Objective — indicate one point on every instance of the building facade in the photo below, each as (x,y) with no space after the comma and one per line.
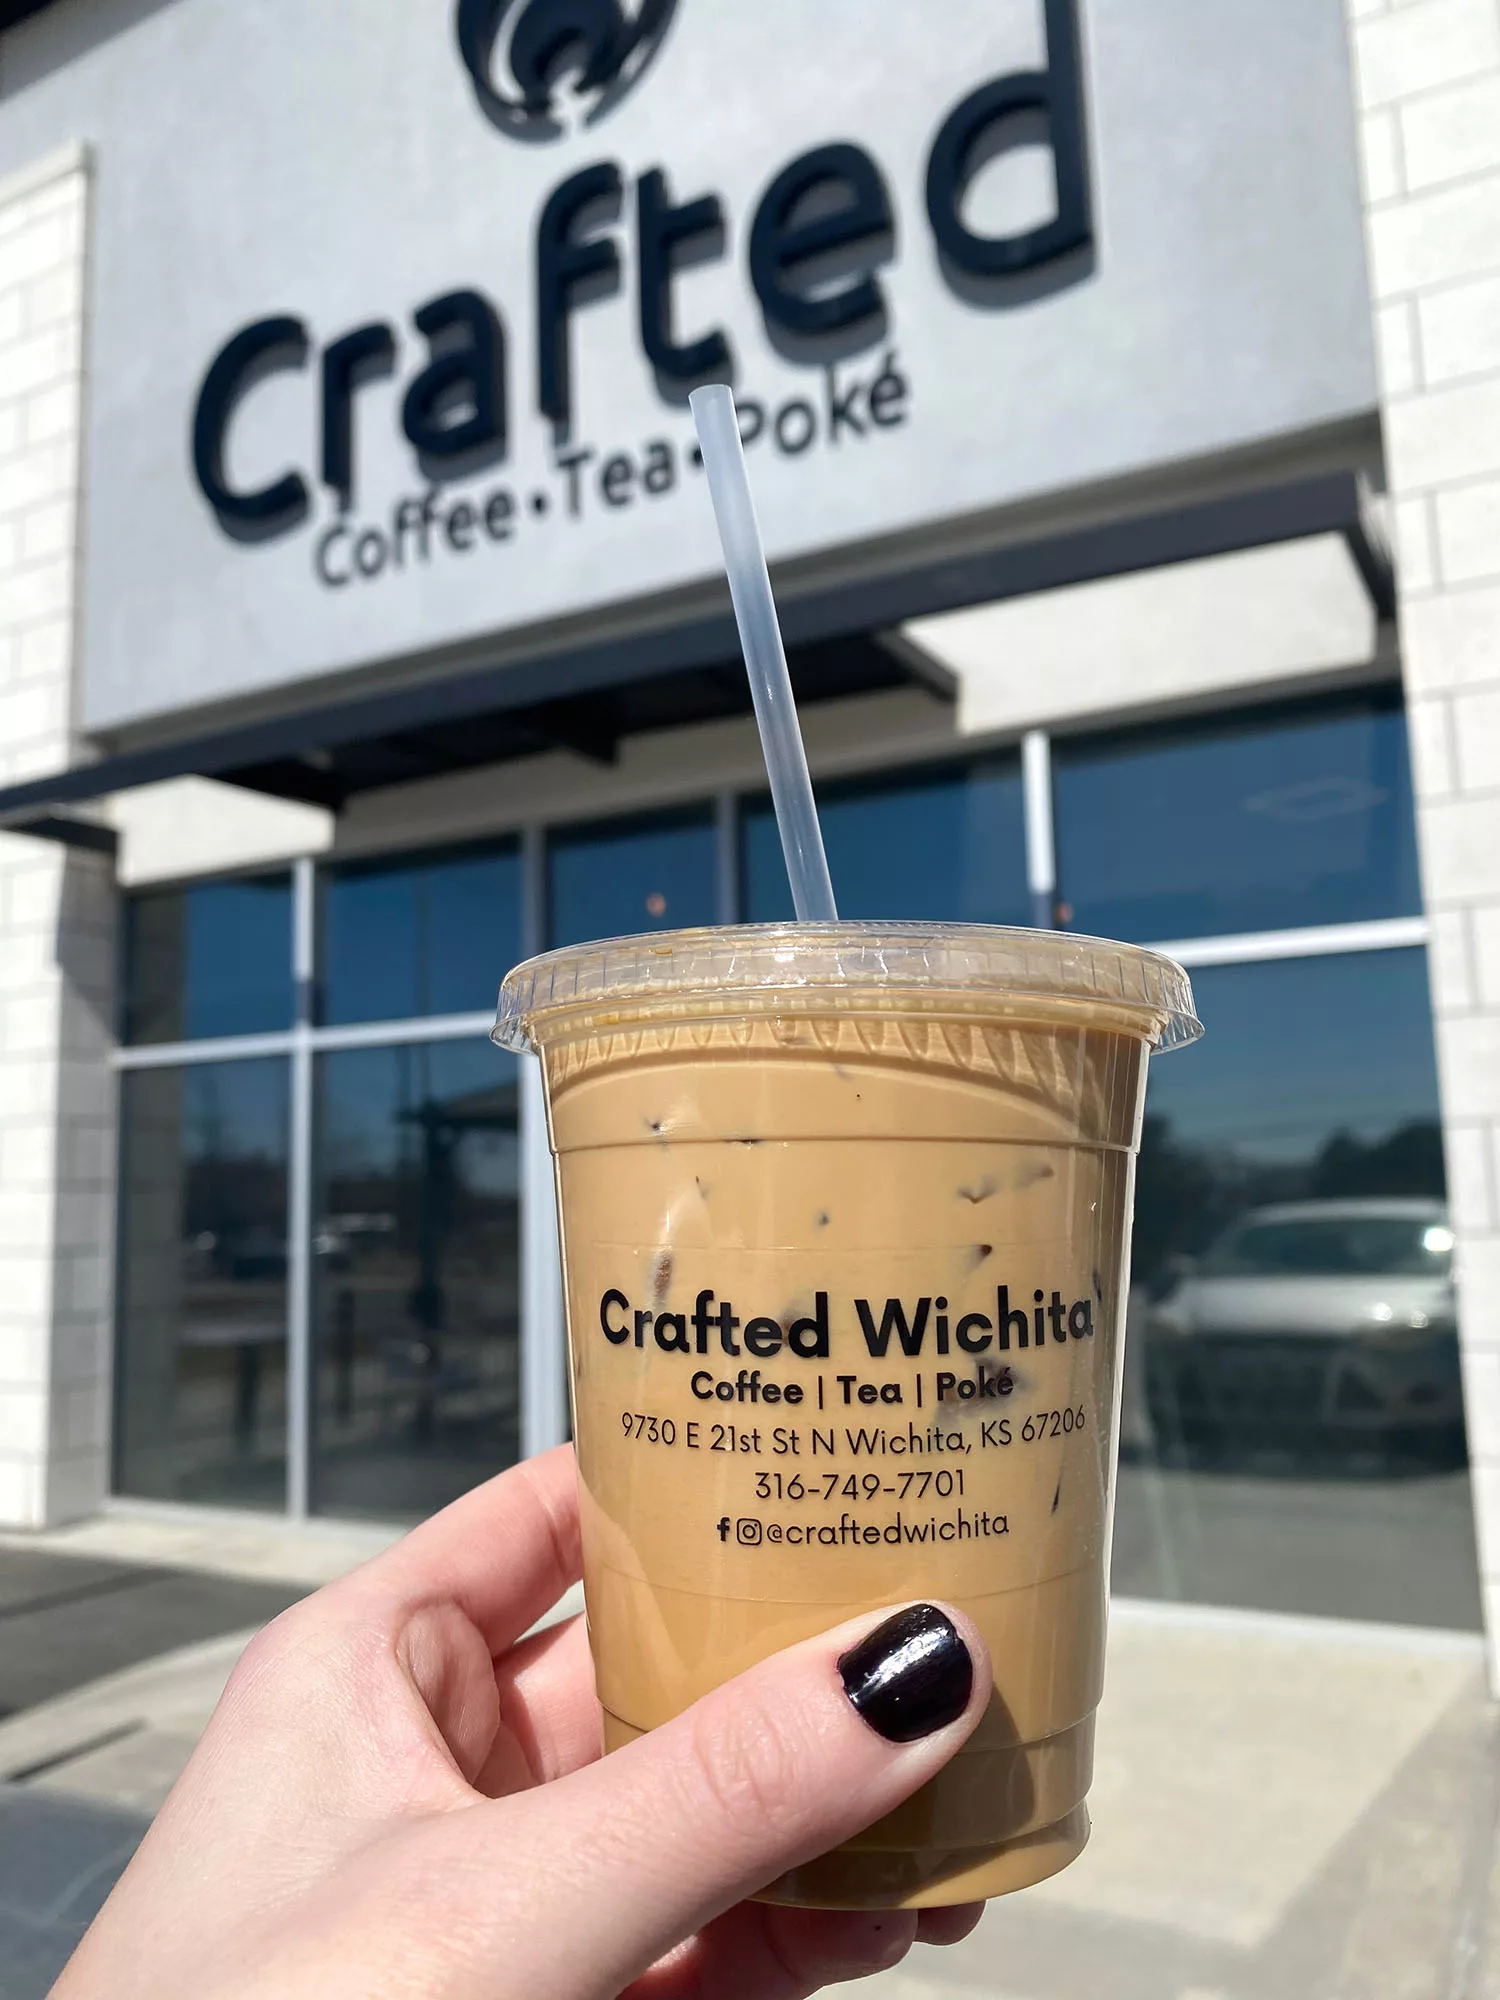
(361,632)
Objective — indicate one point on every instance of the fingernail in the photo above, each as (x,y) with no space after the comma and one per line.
(911,1675)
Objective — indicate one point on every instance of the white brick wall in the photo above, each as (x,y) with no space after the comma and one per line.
(1428,81)
(1452,133)
(1460,331)
(56,905)
(1402,51)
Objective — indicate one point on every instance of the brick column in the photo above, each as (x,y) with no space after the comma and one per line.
(56,903)
(1427,83)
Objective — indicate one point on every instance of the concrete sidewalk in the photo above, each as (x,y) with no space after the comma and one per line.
(78,1604)
(81,1777)
(1284,1810)
(59,1859)
(267,1548)
(116,1637)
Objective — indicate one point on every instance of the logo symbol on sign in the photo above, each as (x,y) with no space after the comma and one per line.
(541,67)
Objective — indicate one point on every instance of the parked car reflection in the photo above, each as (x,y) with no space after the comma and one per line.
(1309,1325)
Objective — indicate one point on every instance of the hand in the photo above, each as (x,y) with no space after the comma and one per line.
(398,1800)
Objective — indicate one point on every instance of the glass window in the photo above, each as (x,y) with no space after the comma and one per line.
(621,876)
(428,934)
(417,1256)
(211,959)
(1292,1429)
(1267,822)
(201,1398)
(946,845)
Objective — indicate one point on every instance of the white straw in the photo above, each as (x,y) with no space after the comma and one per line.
(765,661)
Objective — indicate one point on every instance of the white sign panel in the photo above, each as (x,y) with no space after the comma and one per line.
(395,306)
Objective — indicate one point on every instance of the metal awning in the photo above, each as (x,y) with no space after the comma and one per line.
(588,699)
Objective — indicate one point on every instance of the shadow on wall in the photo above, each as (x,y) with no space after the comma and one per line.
(55,36)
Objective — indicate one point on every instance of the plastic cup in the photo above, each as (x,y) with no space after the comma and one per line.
(845,1215)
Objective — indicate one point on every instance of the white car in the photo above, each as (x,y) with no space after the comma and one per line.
(1312,1319)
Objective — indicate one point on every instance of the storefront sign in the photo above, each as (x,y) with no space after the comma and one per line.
(391,342)
(830,205)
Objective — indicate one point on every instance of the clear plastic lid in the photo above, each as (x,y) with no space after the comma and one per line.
(712,966)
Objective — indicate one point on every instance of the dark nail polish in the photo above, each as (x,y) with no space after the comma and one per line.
(911,1675)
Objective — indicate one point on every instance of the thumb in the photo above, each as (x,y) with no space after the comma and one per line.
(640,1849)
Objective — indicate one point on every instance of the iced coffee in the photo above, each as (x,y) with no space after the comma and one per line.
(845,1214)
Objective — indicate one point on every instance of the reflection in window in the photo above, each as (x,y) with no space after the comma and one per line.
(948,845)
(417,1259)
(1333,1240)
(1292,1428)
(201,1374)
(1276,820)
(211,959)
(429,934)
(618,877)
